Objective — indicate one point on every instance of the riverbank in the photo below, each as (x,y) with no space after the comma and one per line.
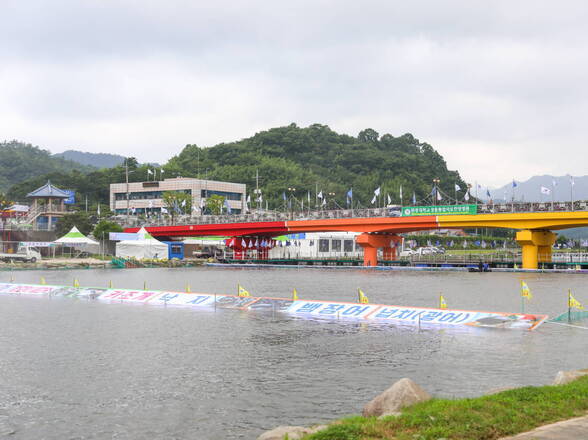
(95,263)
(490,417)
(393,268)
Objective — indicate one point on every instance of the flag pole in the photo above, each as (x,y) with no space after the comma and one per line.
(569,308)
(522,299)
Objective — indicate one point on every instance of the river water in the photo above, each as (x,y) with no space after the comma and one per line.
(73,368)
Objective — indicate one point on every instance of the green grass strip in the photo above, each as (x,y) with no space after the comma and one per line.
(483,418)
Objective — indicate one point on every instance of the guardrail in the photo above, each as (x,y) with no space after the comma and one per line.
(260,216)
(268,216)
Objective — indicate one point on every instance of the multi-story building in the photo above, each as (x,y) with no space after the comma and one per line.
(146,197)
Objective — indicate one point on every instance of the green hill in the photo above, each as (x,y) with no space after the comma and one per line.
(291,157)
(20,161)
(317,157)
(97,160)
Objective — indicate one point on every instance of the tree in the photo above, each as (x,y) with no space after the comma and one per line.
(5,203)
(368,135)
(104,227)
(132,163)
(79,219)
(177,202)
(214,204)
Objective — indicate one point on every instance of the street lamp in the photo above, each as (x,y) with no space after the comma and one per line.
(290,191)
(332,195)
(435,184)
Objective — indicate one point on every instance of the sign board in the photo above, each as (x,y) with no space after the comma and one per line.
(121,236)
(409,211)
(304,309)
(72,196)
(37,244)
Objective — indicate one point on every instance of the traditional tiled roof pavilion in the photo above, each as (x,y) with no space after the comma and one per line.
(48,202)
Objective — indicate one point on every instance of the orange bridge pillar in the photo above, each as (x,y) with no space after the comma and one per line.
(372,242)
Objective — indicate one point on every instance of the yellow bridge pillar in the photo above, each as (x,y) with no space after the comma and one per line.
(536,245)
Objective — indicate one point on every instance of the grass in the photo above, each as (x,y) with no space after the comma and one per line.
(483,418)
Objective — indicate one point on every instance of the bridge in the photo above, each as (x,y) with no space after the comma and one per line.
(534,230)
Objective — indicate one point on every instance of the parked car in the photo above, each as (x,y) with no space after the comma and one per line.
(407,253)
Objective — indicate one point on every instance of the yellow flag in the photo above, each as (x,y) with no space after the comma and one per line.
(294,295)
(241,291)
(525,291)
(362,298)
(442,303)
(573,303)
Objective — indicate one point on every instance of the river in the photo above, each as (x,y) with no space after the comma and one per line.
(85,369)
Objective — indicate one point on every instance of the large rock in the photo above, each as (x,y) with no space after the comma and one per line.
(293,432)
(403,393)
(563,377)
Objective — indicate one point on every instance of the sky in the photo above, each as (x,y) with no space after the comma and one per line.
(498,88)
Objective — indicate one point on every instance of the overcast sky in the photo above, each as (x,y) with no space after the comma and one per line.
(498,87)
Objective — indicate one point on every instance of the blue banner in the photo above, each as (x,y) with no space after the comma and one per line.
(72,196)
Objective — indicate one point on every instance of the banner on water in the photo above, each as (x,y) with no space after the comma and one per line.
(409,211)
(308,309)
(415,315)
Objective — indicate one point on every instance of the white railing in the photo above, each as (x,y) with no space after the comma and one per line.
(260,216)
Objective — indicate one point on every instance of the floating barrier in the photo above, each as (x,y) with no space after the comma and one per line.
(331,310)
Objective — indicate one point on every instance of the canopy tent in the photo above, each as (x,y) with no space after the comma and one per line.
(144,247)
(74,238)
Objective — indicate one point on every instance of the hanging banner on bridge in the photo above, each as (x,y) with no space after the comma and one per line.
(408,211)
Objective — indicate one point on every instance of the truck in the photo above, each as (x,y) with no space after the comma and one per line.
(23,253)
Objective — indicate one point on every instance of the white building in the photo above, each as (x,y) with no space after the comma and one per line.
(146,197)
(318,245)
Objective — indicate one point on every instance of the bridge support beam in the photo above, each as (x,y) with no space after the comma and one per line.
(536,246)
(372,242)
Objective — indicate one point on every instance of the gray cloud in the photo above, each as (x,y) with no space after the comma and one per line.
(498,88)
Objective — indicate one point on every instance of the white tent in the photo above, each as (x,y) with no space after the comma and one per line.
(74,238)
(145,246)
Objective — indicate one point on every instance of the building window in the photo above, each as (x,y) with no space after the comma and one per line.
(206,193)
(323,245)
(147,195)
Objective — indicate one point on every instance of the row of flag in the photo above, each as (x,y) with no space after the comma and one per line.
(573,303)
(361,296)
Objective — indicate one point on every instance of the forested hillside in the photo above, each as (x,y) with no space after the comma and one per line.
(304,158)
(98,160)
(291,157)
(20,161)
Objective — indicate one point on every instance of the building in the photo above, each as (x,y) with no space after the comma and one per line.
(49,203)
(146,197)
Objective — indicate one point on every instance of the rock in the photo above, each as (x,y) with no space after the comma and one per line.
(403,393)
(563,377)
(317,428)
(293,432)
